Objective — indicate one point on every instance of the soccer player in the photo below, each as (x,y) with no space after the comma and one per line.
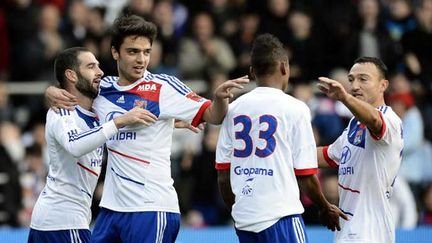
(367,154)
(75,144)
(139,202)
(266,151)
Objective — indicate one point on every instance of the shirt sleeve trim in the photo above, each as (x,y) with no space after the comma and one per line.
(383,129)
(198,117)
(305,172)
(223,166)
(329,161)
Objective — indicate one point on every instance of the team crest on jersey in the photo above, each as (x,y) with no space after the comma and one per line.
(357,134)
(247,189)
(140,103)
(193,96)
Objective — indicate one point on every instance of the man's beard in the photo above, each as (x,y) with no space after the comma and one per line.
(85,87)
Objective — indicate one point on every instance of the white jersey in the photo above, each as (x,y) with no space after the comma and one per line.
(138,176)
(368,166)
(75,144)
(266,140)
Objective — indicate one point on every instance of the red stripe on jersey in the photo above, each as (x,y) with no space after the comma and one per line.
(305,172)
(383,129)
(329,161)
(87,169)
(129,157)
(148,90)
(197,119)
(348,189)
(223,166)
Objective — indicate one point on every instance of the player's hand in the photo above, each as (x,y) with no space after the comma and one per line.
(136,116)
(182,124)
(332,88)
(60,98)
(223,91)
(330,217)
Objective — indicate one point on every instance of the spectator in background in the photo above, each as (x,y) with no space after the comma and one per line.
(204,53)
(170,30)
(241,42)
(400,19)
(370,37)
(225,13)
(304,47)
(10,188)
(32,179)
(74,28)
(402,102)
(274,19)
(6,110)
(157,64)
(51,40)
(205,197)
(141,8)
(25,53)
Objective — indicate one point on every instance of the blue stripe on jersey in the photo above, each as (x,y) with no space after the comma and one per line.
(126,178)
(64,112)
(90,121)
(177,85)
(128,102)
(73,136)
(87,193)
(385,109)
(177,82)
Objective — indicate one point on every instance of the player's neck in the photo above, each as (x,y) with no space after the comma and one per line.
(84,101)
(270,81)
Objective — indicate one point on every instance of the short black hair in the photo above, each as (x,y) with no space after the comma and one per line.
(67,59)
(267,50)
(379,64)
(125,26)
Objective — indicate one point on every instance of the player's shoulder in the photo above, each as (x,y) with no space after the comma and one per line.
(168,81)
(389,114)
(108,81)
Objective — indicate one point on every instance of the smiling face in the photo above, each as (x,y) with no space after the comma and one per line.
(367,83)
(89,75)
(132,58)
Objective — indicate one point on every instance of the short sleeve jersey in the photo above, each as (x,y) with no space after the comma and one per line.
(368,166)
(266,140)
(138,174)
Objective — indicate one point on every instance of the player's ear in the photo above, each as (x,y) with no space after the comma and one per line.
(114,53)
(71,75)
(283,67)
(384,85)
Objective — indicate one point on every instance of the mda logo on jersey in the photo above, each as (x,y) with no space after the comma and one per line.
(140,103)
(193,96)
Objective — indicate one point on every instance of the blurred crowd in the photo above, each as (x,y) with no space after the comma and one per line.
(210,40)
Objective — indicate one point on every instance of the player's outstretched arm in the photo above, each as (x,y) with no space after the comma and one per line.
(225,188)
(329,213)
(364,112)
(216,112)
(60,98)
